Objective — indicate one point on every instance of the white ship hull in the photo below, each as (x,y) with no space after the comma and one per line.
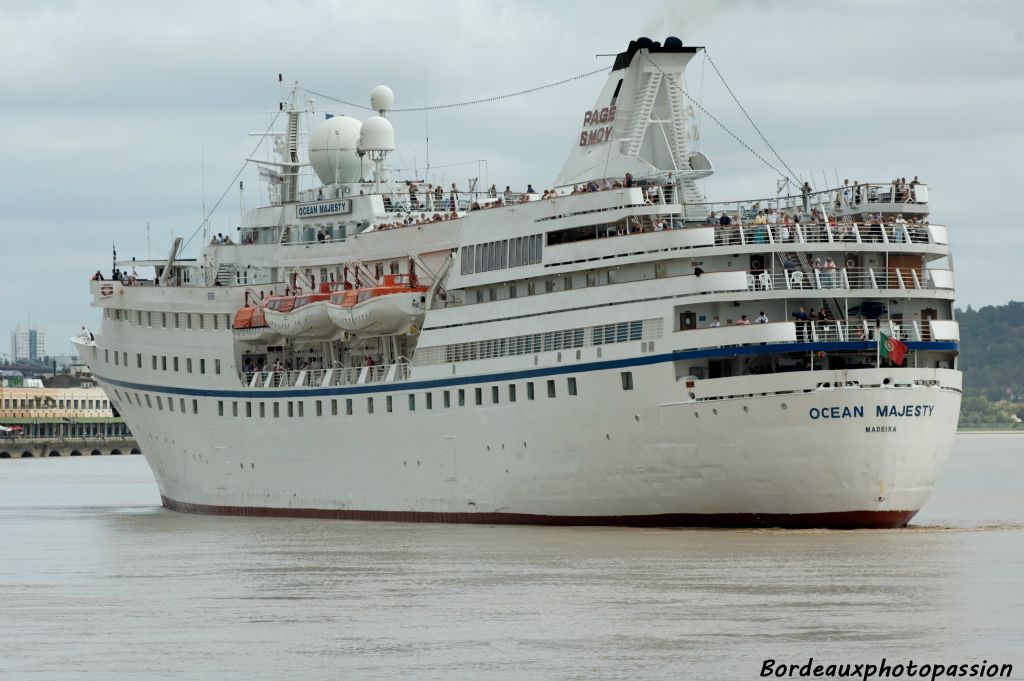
(645,458)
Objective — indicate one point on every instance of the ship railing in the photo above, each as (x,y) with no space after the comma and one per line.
(869,196)
(822,232)
(817,278)
(322,378)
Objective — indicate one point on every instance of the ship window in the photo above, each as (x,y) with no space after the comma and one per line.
(159,403)
(369,405)
(234,408)
(149,402)
(513,291)
(319,408)
(430,400)
(447,399)
(571,385)
(478,394)
(201,317)
(529,390)
(389,404)
(467,259)
(153,357)
(170,403)
(116,361)
(163,319)
(216,322)
(138,359)
(216,366)
(138,318)
(163,362)
(291,409)
(511,392)
(627,380)
(248,410)
(334,407)
(412,402)
(263,410)
(549,285)
(188,364)
(494,394)
(175,364)
(277,409)
(568,282)
(181,403)
(106,356)
(551,388)
(220,408)
(348,406)
(188,319)
(462,397)
(531,288)
(202,365)
(302,411)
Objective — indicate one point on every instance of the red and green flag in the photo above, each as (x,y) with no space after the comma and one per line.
(891,348)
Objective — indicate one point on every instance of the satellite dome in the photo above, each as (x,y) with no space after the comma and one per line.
(382,99)
(332,150)
(377,134)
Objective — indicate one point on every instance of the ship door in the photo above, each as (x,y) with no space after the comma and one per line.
(687,321)
(757,264)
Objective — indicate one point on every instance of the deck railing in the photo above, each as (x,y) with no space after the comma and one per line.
(323,378)
(797,278)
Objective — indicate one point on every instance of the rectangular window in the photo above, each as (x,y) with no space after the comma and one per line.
(163,362)
(154,362)
(188,365)
(116,359)
(462,397)
(248,410)
(389,404)
(138,360)
(348,406)
(170,403)
(430,400)
(627,380)
(106,356)
(195,406)
(159,403)
(529,390)
(202,365)
(572,385)
(188,319)
(334,407)
(551,388)
(511,392)
(181,403)
(447,399)
(302,410)
(216,366)
(277,409)
(263,410)
(175,364)
(291,409)
(220,408)
(319,408)
(216,319)
(478,395)
(201,324)
(369,405)
(149,403)
(234,408)
(412,402)
(494,394)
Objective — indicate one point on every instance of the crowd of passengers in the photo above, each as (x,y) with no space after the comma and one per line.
(783,226)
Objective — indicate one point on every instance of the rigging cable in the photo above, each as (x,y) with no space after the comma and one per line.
(231,184)
(460,104)
(717,122)
(751,120)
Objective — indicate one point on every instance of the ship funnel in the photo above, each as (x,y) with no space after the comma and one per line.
(641,122)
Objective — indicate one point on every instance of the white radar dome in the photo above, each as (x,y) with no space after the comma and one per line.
(332,150)
(377,135)
(382,99)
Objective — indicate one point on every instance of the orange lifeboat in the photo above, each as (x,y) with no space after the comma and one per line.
(250,326)
(395,307)
(301,316)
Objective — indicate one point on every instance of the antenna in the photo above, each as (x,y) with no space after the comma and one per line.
(148,255)
(202,163)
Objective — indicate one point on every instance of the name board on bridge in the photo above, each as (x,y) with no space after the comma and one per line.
(321,208)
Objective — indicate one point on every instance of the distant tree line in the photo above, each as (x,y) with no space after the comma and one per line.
(992,360)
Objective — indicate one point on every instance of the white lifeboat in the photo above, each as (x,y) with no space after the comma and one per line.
(302,316)
(394,308)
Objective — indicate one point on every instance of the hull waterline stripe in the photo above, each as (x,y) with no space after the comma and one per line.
(268,393)
(839,520)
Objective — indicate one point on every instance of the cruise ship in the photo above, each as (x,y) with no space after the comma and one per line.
(613,350)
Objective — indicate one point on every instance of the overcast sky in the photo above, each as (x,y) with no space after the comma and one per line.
(110,107)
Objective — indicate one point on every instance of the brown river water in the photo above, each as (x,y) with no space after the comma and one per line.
(98,582)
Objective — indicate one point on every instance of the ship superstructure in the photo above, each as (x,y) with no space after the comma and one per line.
(610,351)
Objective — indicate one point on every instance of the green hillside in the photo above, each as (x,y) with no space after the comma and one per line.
(992,359)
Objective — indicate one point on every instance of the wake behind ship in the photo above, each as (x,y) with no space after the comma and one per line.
(615,350)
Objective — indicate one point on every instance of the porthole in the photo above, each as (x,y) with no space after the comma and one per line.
(785,406)
(715,412)
(746,408)
(696,415)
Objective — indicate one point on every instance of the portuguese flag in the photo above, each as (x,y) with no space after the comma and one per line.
(891,348)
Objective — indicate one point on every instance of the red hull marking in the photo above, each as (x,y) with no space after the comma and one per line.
(841,520)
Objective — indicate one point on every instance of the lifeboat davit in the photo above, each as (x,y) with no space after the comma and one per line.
(395,307)
(250,326)
(302,316)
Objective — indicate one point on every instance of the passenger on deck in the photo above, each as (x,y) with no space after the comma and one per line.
(628,181)
(714,323)
(492,192)
(743,321)
(530,189)
(761,318)
(711,219)
(508,194)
